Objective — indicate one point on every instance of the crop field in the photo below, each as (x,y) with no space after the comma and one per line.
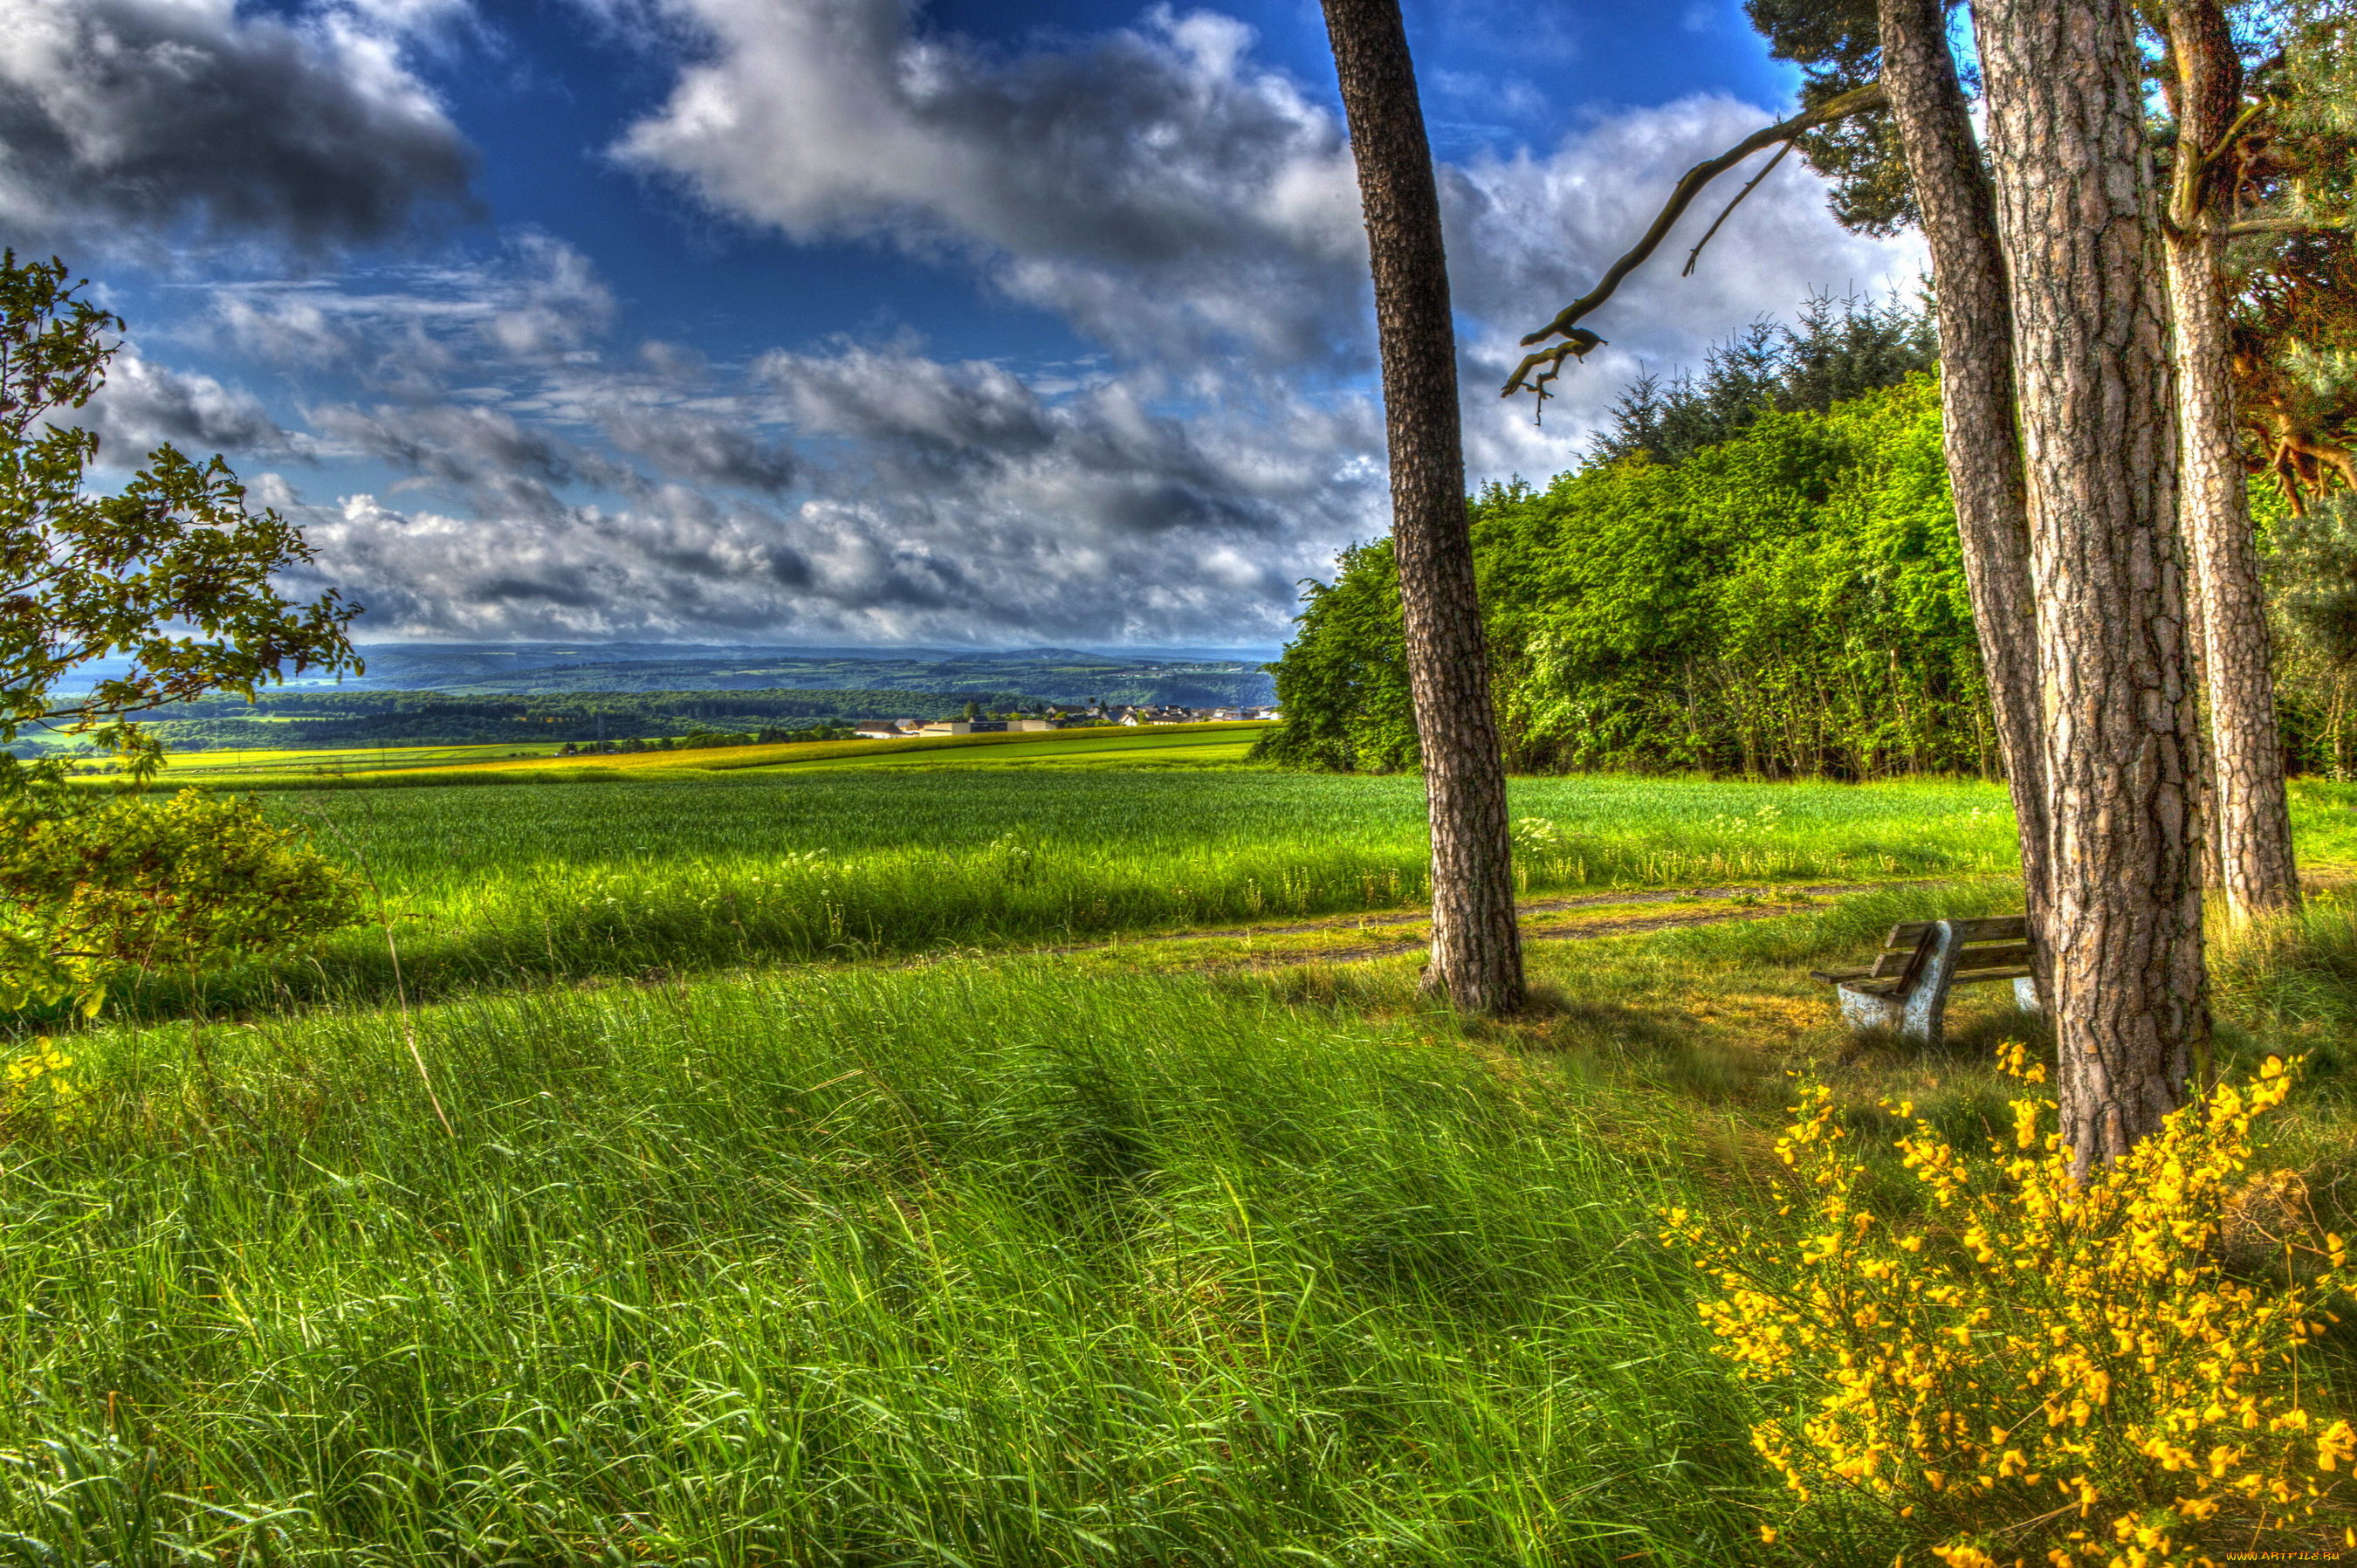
(293,762)
(813,1163)
(1179,747)
(1208,745)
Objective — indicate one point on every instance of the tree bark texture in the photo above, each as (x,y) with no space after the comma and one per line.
(1976,414)
(1476,952)
(2248,818)
(2091,368)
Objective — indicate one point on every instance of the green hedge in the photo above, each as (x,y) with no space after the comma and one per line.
(1788,602)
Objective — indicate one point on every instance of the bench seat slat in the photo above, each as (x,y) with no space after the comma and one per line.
(2005,955)
(1974,977)
(1836,976)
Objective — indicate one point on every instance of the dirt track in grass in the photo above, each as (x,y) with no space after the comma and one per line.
(1717,906)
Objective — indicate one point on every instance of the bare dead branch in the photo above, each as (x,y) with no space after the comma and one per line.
(1858,100)
(1695,255)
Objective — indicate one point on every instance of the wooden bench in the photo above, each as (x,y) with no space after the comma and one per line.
(1906,987)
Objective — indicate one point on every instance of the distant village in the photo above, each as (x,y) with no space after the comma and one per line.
(975,722)
(1054,718)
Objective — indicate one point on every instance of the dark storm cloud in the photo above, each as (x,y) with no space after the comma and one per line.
(1150,183)
(144,404)
(498,463)
(125,124)
(701,447)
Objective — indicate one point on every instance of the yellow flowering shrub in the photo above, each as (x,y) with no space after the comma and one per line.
(2039,1370)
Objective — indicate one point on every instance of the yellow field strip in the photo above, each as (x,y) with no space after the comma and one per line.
(1105,746)
(730,758)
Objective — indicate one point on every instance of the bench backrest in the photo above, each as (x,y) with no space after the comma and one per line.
(2001,942)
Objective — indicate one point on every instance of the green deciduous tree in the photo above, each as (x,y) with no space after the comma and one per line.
(169,577)
(1790,601)
(172,573)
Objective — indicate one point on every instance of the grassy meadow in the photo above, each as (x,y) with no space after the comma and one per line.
(745,1175)
(663,872)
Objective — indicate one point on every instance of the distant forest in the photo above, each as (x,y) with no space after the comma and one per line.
(298,717)
(1757,572)
(282,719)
(1044,674)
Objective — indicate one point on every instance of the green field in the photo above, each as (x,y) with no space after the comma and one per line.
(793,1207)
(677,872)
(947,848)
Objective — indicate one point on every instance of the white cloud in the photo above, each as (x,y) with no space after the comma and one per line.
(1195,212)
(418,328)
(132,126)
(1530,233)
(1188,210)
(1154,186)
(144,404)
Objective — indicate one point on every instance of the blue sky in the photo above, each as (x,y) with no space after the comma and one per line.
(842,320)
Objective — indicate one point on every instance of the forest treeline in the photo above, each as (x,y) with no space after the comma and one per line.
(1756,572)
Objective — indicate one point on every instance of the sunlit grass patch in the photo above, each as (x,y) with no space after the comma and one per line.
(1232,1249)
(1000,1260)
(824,864)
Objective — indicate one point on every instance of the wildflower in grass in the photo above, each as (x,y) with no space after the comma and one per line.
(2038,1370)
(39,1079)
(1537,837)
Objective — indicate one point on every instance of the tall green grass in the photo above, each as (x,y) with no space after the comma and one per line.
(2294,977)
(558,882)
(970,1264)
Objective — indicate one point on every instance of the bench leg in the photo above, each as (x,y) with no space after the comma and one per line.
(1920,1014)
(2025,993)
(1927,1004)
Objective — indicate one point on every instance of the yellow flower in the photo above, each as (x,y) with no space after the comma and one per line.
(2338,1443)
(1963,1557)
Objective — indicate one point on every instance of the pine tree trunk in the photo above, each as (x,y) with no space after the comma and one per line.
(2248,819)
(1477,951)
(1976,414)
(2074,208)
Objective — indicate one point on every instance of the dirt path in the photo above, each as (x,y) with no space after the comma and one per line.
(1774,902)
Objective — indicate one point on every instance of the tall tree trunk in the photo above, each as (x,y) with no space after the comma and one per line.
(1983,448)
(2074,208)
(1477,949)
(2249,819)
